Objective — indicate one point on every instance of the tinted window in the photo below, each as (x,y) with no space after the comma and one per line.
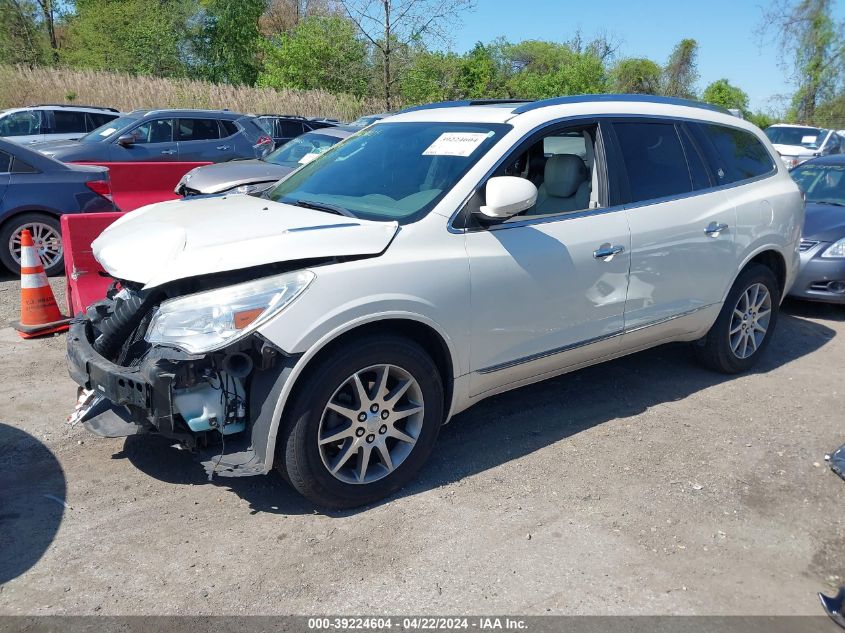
(157,131)
(198,129)
(290,128)
(229,128)
(821,182)
(733,154)
(5,162)
(697,170)
(654,160)
(68,122)
(96,119)
(20,167)
(22,123)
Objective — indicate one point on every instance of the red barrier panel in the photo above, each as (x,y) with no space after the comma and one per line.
(84,282)
(137,184)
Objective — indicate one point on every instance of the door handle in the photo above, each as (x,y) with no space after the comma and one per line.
(606,252)
(715,228)
(168,151)
(222,147)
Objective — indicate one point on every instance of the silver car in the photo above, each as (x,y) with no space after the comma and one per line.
(258,174)
(436,258)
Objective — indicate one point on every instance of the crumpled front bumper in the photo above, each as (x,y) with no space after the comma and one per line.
(146,390)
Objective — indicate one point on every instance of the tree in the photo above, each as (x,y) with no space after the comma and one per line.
(681,71)
(282,16)
(539,70)
(48,14)
(22,41)
(140,36)
(635,76)
(807,35)
(227,41)
(394,27)
(722,93)
(318,53)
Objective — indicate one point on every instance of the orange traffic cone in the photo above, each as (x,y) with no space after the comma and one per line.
(39,313)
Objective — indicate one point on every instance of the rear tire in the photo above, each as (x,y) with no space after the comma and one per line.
(45,229)
(745,324)
(382,399)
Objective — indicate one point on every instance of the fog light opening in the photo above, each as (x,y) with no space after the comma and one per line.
(836,286)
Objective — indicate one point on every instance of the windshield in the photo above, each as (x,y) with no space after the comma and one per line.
(107,129)
(809,137)
(391,171)
(303,149)
(364,121)
(821,183)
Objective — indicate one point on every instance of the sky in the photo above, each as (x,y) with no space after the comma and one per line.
(725,30)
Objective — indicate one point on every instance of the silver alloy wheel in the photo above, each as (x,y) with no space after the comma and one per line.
(370,424)
(750,320)
(48,243)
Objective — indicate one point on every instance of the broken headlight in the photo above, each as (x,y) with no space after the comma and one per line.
(206,321)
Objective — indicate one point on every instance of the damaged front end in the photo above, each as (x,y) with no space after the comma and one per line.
(185,366)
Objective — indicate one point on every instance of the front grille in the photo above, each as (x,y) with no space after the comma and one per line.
(807,245)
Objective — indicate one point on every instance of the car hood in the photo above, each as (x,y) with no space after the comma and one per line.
(794,150)
(222,176)
(824,222)
(188,238)
(65,150)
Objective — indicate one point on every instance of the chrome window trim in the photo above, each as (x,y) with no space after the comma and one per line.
(451,228)
(573,346)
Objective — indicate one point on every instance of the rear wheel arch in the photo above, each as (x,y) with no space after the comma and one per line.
(12,220)
(769,257)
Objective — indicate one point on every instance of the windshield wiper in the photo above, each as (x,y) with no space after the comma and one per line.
(322,206)
(831,202)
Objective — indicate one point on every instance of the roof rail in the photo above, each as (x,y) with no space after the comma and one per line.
(284,116)
(629,98)
(462,103)
(70,105)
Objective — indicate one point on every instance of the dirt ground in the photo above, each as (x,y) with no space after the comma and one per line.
(644,486)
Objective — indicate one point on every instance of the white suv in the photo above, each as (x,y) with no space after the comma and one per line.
(47,122)
(452,252)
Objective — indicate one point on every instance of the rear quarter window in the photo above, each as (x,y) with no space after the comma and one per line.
(734,155)
(228,128)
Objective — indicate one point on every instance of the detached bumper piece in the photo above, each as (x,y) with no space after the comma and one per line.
(835,607)
(837,461)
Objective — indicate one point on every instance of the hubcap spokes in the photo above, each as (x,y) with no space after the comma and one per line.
(370,424)
(750,321)
(48,243)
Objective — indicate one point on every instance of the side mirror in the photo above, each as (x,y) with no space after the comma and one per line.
(126,140)
(507,196)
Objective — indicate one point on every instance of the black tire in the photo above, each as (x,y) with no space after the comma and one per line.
(714,350)
(16,224)
(298,456)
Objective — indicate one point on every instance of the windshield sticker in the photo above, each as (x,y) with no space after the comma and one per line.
(808,139)
(108,130)
(308,157)
(455,144)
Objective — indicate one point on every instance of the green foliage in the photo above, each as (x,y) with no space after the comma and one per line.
(831,113)
(432,76)
(539,70)
(135,36)
(761,119)
(22,40)
(723,93)
(635,75)
(681,71)
(227,42)
(319,52)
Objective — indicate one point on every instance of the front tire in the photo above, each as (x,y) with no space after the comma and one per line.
(745,324)
(363,423)
(46,234)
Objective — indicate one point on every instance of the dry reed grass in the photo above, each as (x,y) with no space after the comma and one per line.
(21,86)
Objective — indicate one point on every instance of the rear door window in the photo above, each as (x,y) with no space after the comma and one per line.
(734,155)
(198,130)
(68,122)
(654,160)
(228,128)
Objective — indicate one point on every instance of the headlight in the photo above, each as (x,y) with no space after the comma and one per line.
(254,188)
(837,249)
(206,321)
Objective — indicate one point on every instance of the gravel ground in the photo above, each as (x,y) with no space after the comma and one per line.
(643,486)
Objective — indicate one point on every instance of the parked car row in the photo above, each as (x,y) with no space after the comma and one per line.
(799,143)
